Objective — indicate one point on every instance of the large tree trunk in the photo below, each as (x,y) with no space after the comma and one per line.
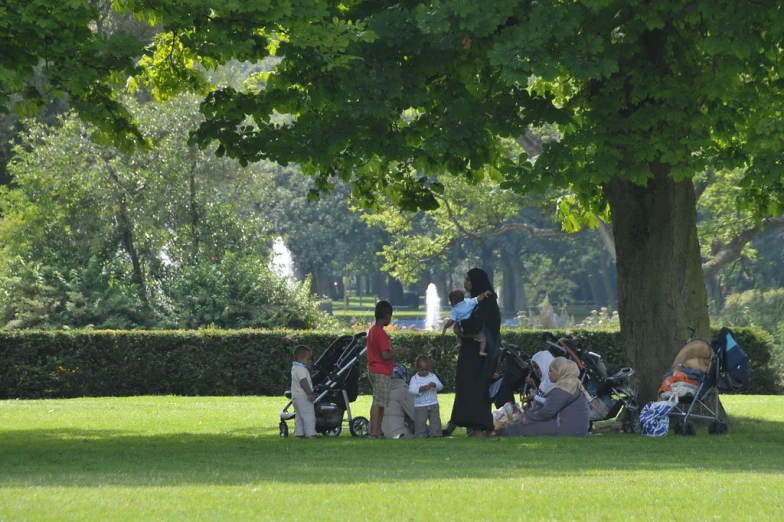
(396,296)
(596,293)
(488,260)
(320,284)
(514,298)
(660,288)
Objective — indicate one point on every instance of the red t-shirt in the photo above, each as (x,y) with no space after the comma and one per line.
(377,342)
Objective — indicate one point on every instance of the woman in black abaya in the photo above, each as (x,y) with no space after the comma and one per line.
(472,398)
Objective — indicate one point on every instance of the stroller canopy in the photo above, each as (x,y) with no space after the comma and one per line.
(695,355)
(732,360)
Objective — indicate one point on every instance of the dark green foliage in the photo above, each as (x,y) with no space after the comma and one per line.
(245,362)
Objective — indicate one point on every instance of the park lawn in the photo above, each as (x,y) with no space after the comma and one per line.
(220,458)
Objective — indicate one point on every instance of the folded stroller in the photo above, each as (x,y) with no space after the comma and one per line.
(335,377)
(722,366)
(611,395)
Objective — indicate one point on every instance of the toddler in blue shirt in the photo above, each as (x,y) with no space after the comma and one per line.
(462,309)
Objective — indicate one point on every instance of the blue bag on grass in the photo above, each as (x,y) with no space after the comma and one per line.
(654,417)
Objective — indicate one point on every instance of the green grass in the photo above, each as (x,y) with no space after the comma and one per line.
(216,458)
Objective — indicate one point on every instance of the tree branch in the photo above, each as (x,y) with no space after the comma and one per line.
(532,231)
(725,254)
(531,145)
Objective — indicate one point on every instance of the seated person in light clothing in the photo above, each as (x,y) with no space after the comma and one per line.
(565,410)
(399,415)
(425,387)
(461,309)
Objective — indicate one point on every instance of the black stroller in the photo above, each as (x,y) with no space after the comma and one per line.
(336,384)
(611,395)
(514,366)
(727,371)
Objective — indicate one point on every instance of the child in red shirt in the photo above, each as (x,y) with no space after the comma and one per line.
(381,362)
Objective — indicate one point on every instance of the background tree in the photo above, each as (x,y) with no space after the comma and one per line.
(326,238)
(170,237)
(516,237)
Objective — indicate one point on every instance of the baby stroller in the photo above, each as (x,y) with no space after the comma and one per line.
(335,382)
(611,395)
(515,367)
(721,366)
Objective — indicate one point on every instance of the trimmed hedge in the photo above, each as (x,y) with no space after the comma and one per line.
(62,364)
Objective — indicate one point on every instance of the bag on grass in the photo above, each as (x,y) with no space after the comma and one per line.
(654,417)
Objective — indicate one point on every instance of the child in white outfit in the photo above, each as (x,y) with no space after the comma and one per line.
(302,394)
(425,387)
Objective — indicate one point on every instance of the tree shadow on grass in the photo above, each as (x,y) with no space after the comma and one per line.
(88,458)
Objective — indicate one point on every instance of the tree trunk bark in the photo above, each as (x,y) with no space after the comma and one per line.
(584,289)
(596,294)
(396,294)
(321,283)
(660,288)
(126,232)
(488,261)
(514,298)
(194,210)
(382,289)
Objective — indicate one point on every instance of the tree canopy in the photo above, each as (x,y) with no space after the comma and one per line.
(392,95)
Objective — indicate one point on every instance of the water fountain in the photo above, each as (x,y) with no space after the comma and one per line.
(432,307)
(280,262)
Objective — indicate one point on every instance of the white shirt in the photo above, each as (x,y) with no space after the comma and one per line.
(428,398)
(297,374)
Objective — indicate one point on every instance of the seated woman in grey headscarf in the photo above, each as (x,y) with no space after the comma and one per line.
(565,410)
(399,415)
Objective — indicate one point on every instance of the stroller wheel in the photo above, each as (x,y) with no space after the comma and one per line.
(333,432)
(630,418)
(284,430)
(717,428)
(631,424)
(360,427)
(685,428)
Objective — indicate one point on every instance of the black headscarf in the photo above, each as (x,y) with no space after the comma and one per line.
(480,283)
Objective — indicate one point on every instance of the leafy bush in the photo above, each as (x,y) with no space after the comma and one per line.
(231,292)
(754,308)
(243,362)
(240,292)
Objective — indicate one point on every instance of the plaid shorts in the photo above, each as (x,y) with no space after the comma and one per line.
(380,384)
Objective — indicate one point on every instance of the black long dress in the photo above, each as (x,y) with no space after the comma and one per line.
(474,372)
(472,382)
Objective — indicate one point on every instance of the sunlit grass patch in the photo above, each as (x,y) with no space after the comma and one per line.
(186,458)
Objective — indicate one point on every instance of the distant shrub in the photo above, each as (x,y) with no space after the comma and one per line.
(248,362)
